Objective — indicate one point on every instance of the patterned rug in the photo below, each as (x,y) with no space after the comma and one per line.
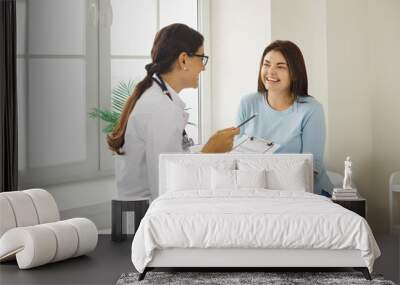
(243,278)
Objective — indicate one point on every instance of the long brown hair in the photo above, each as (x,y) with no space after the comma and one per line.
(296,66)
(168,44)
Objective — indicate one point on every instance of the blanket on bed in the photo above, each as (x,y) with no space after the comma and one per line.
(251,218)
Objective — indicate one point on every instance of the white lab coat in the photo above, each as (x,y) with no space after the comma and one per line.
(155,126)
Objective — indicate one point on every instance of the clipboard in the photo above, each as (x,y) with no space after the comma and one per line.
(248,144)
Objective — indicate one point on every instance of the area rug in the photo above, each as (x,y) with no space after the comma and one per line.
(244,278)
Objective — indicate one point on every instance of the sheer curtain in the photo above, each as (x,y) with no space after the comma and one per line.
(8,98)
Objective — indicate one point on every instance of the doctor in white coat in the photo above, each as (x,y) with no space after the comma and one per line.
(154,119)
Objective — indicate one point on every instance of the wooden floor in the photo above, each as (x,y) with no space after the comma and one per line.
(110,259)
(102,266)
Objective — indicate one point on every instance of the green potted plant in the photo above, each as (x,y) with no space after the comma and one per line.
(119,95)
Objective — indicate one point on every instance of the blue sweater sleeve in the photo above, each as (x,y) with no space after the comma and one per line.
(241,116)
(313,136)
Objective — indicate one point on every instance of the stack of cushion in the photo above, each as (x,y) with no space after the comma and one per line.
(31,231)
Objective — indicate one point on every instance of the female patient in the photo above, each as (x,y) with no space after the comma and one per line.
(287,114)
(153,119)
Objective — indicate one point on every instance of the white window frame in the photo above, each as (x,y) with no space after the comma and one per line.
(79,170)
(205,102)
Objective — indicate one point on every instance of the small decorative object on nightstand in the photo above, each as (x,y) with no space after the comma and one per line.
(347,192)
(347,196)
(347,184)
(357,205)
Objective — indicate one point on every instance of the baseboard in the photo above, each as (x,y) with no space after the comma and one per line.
(105,232)
(99,214)
(398,258)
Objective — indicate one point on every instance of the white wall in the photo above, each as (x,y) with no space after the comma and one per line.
(351,52)
(364,98)
(304,23)
(349,100)
(90,199)
(239,33)
(385,96)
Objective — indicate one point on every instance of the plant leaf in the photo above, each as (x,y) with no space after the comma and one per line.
(104,115)
(119,95)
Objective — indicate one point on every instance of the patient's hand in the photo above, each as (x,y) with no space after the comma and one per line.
(221,141)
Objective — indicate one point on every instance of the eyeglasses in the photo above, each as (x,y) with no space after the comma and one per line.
(204,58)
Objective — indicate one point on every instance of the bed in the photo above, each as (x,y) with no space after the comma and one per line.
(247,210)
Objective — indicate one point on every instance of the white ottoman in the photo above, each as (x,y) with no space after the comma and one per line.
(31,232)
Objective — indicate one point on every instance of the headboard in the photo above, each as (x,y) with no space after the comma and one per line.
(213,159)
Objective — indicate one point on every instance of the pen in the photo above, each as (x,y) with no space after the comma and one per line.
(252,117)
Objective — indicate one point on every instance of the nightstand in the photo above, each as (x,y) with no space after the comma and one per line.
(118,207)
(358,206)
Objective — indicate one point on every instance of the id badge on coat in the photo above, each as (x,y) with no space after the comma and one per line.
(186,141)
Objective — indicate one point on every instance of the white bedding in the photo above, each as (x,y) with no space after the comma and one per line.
(251,218)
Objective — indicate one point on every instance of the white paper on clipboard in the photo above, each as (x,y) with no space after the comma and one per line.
(248,144)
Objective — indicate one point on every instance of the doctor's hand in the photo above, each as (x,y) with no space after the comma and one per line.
(221,141)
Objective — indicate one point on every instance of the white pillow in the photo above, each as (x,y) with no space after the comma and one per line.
(237,179)
(223,179)
(189,173)
(251,178)
(292,179)
(282,174)
(181,177)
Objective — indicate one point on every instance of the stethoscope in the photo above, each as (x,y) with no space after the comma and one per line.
(186,141)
